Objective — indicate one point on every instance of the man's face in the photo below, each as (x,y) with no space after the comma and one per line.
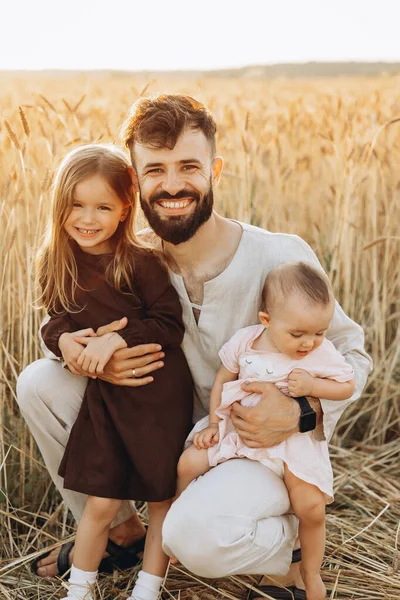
(175,185)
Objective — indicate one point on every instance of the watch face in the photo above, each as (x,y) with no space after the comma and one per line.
(308,421)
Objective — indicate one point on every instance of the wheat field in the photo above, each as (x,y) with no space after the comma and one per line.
(319,158)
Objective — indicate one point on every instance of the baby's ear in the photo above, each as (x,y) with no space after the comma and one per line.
(264,318)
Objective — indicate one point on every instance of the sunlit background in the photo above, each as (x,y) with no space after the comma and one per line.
(182,34)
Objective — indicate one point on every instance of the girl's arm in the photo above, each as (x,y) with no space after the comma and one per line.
(53,330)
(163,324)
(222,376)
(301,383)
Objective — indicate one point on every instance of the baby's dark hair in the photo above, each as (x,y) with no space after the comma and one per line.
(289,277)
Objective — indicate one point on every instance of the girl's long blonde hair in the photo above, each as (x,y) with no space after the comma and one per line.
(56,264)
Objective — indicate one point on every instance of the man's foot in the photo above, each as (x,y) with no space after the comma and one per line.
(124,535)
(315,588)
(292,579)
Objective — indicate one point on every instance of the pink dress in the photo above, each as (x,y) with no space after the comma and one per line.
(305,457)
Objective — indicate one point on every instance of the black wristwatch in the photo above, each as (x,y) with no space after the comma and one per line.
(308,416)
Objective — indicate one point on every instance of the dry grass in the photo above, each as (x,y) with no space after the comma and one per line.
(320,159)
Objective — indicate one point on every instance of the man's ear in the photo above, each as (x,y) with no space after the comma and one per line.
(217,167)
(134,179)
(264,318)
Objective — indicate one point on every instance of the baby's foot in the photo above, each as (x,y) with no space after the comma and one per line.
(315,588)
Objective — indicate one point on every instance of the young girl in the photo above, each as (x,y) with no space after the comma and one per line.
(290,350)
(126,441)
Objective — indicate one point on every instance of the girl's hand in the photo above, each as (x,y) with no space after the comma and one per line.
(72,349)
(206,437)
(300,383)
(98,352)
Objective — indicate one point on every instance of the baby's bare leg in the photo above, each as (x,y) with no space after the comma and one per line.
(191,465)
(308,504)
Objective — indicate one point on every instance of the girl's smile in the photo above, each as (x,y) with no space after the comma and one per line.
(96,213)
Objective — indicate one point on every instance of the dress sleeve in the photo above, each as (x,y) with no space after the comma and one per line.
(52,330)
(231,351)
(331,364)
(163,323)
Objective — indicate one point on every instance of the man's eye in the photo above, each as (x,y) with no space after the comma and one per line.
(190,167)
(153,171)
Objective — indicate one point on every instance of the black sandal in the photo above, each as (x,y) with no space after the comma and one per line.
(121,557)
(62,559)
(280,593)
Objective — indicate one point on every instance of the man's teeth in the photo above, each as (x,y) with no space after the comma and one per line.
(88,231)
(182,204)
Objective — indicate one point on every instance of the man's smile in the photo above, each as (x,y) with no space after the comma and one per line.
(175,206)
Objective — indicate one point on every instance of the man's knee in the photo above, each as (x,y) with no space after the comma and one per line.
(200,549)
(30,381)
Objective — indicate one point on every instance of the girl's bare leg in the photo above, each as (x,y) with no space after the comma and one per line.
(191,465)
(155,561)
(90,543)
(92,535)
(308,504)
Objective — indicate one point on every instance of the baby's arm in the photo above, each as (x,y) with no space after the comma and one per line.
(209,436)
(301,383)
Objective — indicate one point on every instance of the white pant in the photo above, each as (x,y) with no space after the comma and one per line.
(230,521)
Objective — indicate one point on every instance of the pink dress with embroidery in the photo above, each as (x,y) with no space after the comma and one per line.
(305,457)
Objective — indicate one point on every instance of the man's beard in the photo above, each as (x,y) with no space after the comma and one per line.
(180,228)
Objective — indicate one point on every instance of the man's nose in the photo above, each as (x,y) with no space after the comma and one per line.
(172,183)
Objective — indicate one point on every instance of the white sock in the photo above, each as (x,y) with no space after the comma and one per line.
(79,583)
(147,587)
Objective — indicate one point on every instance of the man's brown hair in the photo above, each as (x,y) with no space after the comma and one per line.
(292,276)
(158,121)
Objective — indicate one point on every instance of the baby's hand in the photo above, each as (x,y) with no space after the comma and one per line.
(300,383)
(206,437)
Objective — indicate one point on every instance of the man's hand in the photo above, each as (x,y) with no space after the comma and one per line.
(71,349)
(143,360)
(300,383)
(130,366)
(98,351)
(274,419)
(206,437)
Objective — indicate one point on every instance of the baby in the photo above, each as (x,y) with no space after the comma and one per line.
(289,349)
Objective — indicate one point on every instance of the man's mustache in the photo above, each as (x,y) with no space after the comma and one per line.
(161,195)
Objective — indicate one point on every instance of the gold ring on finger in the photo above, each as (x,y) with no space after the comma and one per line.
(133,372)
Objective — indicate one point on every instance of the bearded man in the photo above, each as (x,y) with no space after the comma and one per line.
(236,519)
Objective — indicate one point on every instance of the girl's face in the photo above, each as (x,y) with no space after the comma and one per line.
(297,327)
(95,216)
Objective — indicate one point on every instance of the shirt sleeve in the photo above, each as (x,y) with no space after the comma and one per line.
(348,338)
(51,330)
(163,323)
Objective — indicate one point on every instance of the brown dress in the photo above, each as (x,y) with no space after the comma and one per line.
(126,441)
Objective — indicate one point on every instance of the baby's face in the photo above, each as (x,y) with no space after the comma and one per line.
(296,327)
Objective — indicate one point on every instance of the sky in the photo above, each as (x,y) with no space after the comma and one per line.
(183,34)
